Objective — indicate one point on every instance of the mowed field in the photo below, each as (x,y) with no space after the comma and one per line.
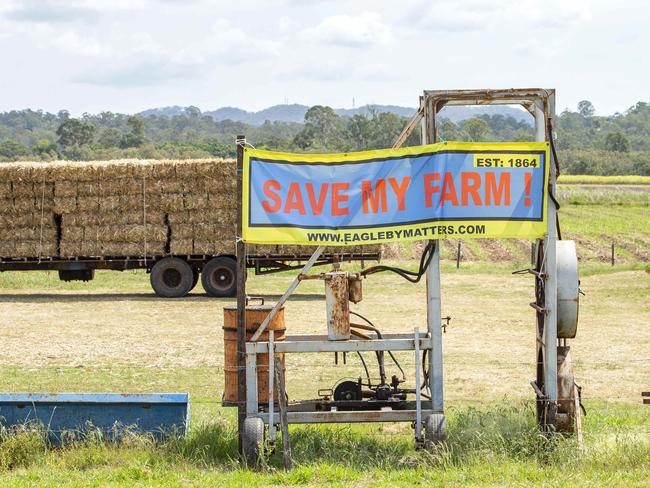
(114,335)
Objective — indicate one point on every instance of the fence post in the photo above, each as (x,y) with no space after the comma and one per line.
(458,256)
(613,255)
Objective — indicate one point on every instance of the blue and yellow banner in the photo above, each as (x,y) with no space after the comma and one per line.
(452,189)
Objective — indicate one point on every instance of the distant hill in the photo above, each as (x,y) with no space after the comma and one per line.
(296,112)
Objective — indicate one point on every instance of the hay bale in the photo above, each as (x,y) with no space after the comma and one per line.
(5,190)
(181,246)
(213,215)
(7,248)
(65,189)
(44,233)
(64,205)
(195,201)
(34,249)
(214,247)
(223,201)
(112,218)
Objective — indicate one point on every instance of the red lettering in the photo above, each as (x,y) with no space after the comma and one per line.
(430,189)
(294,200)
(269,186)
(376,198)
(470,188)
(400,190)
(500,192)
(337,198)
(448,190)
(317,206)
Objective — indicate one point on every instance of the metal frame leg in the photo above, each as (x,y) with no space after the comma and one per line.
(272,435)
(251,384)
(434,325)
(418,398)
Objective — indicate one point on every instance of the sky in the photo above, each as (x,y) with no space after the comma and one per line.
(130,55)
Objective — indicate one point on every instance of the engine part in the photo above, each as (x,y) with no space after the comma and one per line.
(568,292)
(349,391)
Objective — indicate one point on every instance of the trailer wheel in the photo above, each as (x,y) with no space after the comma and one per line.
(219,277)
(195,278)
(253,441)
(171,278)
(435,430)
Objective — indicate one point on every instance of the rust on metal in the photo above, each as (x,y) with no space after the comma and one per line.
(355,292)
(566,390)
(337,306)
(255,315)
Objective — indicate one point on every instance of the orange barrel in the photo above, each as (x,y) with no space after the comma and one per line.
(255,315)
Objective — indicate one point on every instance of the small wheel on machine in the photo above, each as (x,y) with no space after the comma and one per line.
(219,277)
(253,441)
(435,430)
(171,278)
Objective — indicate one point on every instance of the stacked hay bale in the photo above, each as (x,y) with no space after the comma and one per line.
(123,208)
(27,226)
(117,208)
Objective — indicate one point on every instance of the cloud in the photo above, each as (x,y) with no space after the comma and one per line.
(322,70)
(139,73)
(50,11)
(363,30)
(47,11)
(480,15)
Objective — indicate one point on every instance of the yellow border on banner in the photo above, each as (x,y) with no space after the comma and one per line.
(525,229)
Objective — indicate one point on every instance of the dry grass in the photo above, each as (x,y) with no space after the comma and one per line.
(488,348)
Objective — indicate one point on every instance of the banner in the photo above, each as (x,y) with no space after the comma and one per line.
(452,189)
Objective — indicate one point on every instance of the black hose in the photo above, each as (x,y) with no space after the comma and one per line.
(412,276)
(365,367)
(376,330)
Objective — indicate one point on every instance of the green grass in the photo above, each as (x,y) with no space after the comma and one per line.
(498,444)
(603,180)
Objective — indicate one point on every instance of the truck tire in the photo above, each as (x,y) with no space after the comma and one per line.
(219,277)
(171,278)
(195,278)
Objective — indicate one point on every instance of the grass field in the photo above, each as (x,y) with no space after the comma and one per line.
(113,335)
(603,180)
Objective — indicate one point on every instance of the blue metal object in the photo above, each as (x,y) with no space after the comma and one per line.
(69,415)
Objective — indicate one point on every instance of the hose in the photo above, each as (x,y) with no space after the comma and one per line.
(413,277)
(376,330)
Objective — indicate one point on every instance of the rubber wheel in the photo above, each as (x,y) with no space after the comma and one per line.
(253,441)
(435,430)
(171,278)
(195,280)
(219,277)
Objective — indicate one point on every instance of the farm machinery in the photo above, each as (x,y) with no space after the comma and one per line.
(256,383)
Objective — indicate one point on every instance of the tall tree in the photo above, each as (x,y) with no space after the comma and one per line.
(617,142)
(476,129)
(74,132)
(586,109)
(135,138)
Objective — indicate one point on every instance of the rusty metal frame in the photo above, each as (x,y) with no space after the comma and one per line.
(540,103)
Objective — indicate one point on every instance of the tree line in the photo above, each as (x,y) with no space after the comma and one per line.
(588,144)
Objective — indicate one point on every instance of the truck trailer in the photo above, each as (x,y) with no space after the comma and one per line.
(176,219)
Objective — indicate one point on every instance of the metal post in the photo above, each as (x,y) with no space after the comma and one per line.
(418,399)
(252,401)
(271,386)
(284,421)
(613,255)
(550,288)
(434,325)
(458,256)
(241,303)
